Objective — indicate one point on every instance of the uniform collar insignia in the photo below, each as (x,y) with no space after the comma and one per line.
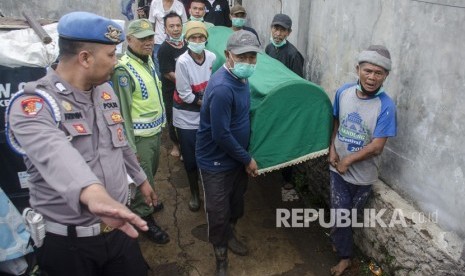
(66,105)
(60,86)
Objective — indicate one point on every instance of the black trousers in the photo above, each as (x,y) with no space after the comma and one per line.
(112,253)
(224,202)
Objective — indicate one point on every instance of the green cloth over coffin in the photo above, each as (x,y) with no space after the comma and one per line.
(291,118)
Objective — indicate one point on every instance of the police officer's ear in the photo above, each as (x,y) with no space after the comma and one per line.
(84,58)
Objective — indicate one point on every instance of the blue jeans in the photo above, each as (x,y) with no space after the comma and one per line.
(345,195)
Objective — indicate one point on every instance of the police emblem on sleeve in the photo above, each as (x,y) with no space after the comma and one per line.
(32,106)
(113,33)
(116,117)
(106,96)
(123,81)
(80,128)
(120,134)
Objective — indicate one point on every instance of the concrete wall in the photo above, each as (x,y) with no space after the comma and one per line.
(425,163)
(50,9)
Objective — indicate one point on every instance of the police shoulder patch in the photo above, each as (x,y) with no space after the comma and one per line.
(123,81)
(32,106)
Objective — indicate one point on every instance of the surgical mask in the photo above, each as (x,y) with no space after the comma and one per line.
(238,22)
(278,44)
(360,88)
(242,70)
(192,18)
(175,40)
(196,47)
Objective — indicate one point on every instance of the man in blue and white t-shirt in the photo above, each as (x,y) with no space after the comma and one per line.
(364,118)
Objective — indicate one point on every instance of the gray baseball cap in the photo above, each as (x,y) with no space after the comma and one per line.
(283,20)
(243,41)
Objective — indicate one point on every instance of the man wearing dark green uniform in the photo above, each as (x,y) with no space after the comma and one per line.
(139,93)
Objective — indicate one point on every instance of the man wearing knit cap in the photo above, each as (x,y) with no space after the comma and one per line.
(140,97)
(69,126)
(222,142)
(193,71)
(364,118)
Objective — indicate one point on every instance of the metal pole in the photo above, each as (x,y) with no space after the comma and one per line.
(35,25)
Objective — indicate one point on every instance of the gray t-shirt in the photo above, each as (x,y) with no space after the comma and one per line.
(360,121)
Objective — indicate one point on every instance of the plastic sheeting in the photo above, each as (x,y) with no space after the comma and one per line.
(24,48)
(291,118)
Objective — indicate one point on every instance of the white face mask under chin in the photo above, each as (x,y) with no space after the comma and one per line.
(360,88)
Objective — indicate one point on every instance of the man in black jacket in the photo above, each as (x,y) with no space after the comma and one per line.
(217,12)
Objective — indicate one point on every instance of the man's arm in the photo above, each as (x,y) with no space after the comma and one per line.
(170,76)
(113,213)
(183,84)
(123,85)
(333,156)
(220,118)
(298,64)
(372,149)
(167,63)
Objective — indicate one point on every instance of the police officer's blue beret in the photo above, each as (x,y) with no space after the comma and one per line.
(89,27)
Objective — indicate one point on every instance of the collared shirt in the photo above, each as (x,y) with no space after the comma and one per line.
(87,147)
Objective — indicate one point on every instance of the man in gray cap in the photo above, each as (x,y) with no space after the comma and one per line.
(364,118)
(280,48)
(221,146)
(69,126)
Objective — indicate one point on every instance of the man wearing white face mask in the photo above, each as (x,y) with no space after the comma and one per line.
(193,70)
(238,17)
(222,142)
(170,50)
(197,12)
(364,119)
(280,48)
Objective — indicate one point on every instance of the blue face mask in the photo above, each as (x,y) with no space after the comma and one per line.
(238,22)
(242,70)
(278,44)
(192,18)
(196,47)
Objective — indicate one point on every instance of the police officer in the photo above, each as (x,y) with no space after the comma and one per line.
(68,125)
(139,92)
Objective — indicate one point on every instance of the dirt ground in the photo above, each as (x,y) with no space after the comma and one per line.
(272,250)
